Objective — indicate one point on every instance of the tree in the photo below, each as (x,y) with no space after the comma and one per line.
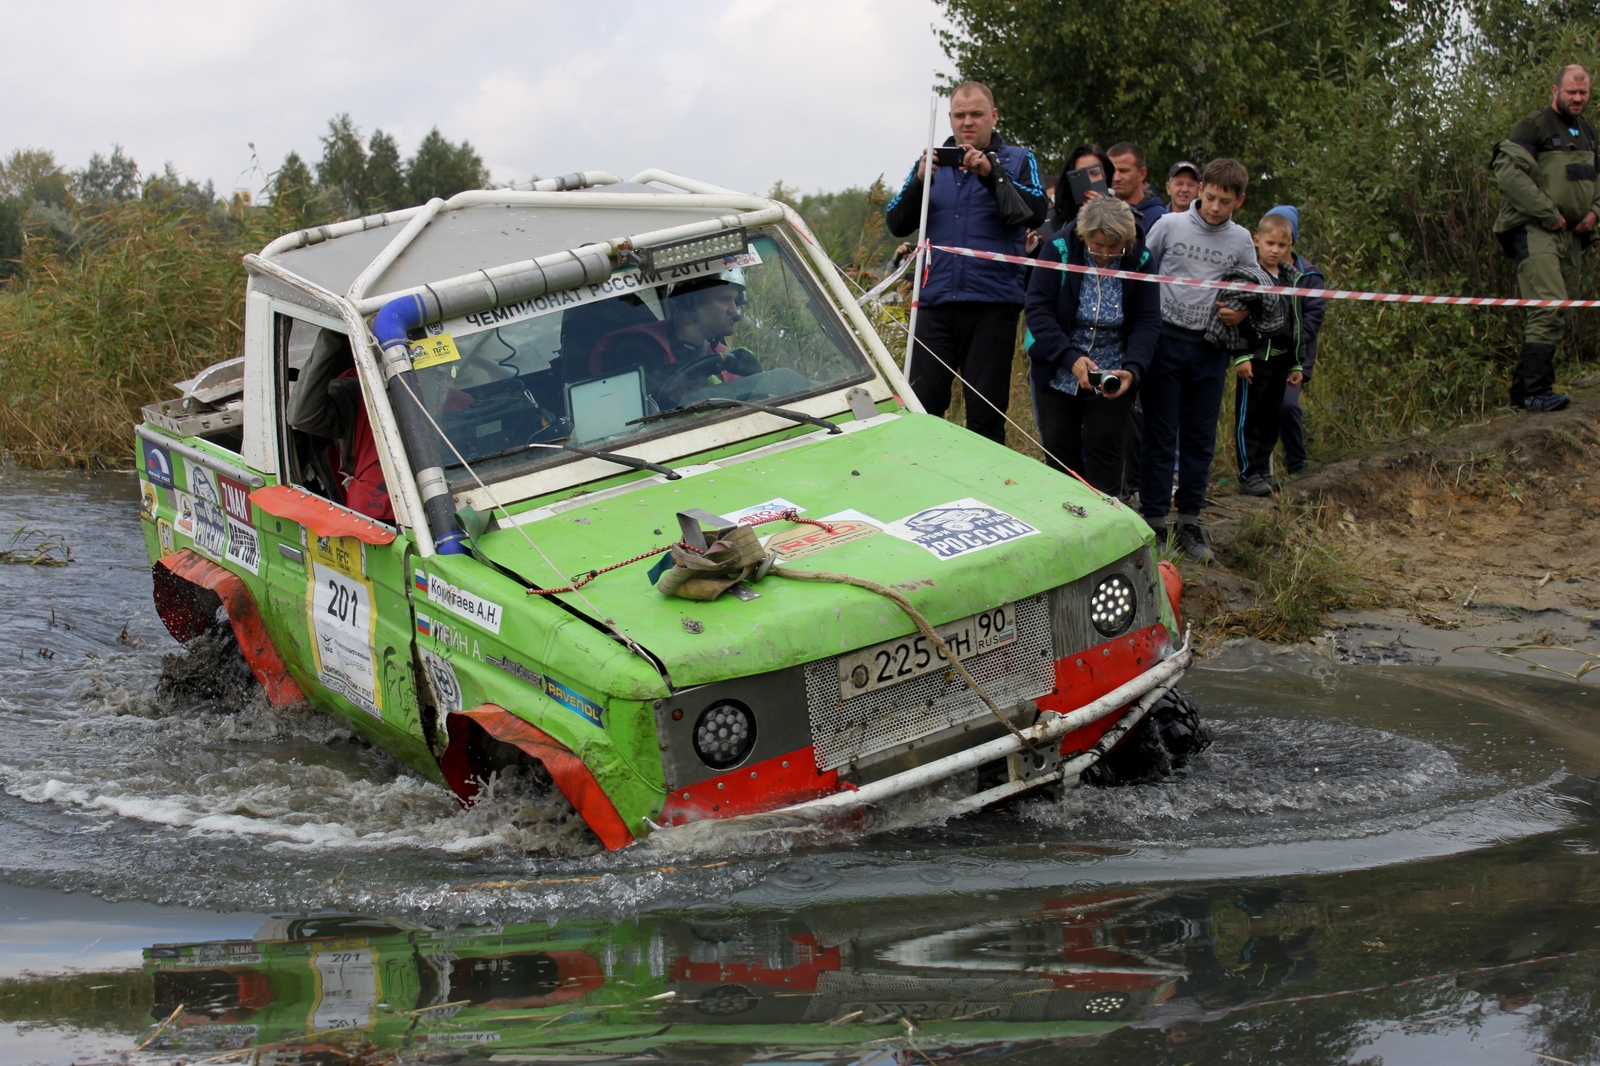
(443,169)
(114,180)
(386,178)
(342,170)
(293,194)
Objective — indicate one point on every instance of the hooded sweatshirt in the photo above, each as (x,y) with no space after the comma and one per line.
(1187,246)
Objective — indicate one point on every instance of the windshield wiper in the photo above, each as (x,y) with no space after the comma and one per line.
(712,403)
(611,457)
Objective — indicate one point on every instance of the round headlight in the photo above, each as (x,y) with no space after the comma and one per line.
(1112,606)
(724,734)
(1106,1003)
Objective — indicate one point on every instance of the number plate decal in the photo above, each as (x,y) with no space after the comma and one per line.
(913,655)
(342,623)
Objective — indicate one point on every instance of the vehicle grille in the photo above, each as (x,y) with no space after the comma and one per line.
(844,731)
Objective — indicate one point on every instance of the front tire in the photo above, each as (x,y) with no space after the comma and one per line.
(1163,743)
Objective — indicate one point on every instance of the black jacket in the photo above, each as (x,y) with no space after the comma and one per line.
(1051,309)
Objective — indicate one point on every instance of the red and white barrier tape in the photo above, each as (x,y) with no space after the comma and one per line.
(1244,286)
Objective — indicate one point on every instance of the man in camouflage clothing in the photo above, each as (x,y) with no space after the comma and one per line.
(1546,173)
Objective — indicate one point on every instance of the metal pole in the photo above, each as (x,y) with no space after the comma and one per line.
(922,234)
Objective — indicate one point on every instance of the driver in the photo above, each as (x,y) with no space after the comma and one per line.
(688,348)
(327,403)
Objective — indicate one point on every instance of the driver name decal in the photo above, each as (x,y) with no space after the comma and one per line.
(959,528)
(485,613)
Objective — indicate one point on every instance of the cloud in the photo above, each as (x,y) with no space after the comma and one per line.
(824,94)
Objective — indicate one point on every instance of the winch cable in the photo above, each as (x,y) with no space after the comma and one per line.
(922,624)
(495,504)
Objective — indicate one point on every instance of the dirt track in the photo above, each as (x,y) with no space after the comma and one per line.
(1484,535)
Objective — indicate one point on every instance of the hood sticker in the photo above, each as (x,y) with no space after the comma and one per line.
(485,613)
(806,540)
(763,512)
(960,527)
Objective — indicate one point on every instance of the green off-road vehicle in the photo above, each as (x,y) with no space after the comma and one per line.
(615,482)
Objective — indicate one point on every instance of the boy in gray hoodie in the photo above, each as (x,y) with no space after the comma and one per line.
(1182,391)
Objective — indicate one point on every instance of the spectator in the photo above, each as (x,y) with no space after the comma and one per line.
(1066,208)
(1546,173)
(967,321)
(1312,309)
(1080,323)
(1182,392)
(1183,185)
(1268,343)
(1128,177)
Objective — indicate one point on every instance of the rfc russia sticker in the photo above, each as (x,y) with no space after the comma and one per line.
(951,530)
(756,514)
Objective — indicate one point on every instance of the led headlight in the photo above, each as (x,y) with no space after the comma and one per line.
(1106,1003)
(724,734)
(1112,606)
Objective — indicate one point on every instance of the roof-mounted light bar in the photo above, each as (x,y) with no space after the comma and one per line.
(661,257)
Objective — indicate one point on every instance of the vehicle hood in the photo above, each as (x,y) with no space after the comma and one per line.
(887,471)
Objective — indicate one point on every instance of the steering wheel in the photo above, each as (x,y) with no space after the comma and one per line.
(674,387)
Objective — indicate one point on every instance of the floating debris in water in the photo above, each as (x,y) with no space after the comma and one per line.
(35,547)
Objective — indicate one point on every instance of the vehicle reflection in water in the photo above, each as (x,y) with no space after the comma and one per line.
(1306,971)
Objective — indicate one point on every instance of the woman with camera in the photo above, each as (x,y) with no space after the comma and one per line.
(1090,338)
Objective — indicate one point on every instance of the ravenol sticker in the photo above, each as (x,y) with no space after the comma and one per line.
(210,521)
(582,706)
(432,351)
(485,613)
(769,511)
(157,464)
(954,529)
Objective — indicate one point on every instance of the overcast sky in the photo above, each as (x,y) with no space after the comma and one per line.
(821,94)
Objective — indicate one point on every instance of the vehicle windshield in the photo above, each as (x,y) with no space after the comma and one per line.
(510,385)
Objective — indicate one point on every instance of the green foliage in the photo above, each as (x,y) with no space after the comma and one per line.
(342,171)
(385,187)
(1304,570)
(294,193)
(849,224)
(443,169)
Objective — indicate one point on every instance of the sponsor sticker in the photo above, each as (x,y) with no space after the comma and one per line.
(808,540)
(157,464)
(959,528)
(432,351)
(485,613)
(149,500)
(184,523)
(618,284)
(582,706)
(762,512)
(244,548)
(463,1038)
(235,498)
(164,535)
(516,670)
(340,603)
(441,678)
(346,989)
(210,521)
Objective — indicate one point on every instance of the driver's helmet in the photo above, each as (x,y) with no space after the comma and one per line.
(731,276)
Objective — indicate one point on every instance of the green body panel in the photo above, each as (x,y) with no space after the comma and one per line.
(888,472)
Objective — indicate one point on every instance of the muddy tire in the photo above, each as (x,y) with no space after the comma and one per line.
(1170,735)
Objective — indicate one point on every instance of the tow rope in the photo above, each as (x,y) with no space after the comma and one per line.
(701,571)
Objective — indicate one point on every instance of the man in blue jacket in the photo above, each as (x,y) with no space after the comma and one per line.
(967,318)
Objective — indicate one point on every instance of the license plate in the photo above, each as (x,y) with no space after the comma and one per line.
(894,661)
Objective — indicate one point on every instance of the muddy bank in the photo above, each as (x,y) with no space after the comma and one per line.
(1479,547)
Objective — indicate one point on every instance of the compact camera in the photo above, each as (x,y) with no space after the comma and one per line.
(1105,381)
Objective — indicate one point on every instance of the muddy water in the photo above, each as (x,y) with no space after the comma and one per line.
(1370,862)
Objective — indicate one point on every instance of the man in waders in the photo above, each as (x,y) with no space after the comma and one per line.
(1546,173)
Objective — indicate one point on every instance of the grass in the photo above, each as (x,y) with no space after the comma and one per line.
(34,547)
(1304,570)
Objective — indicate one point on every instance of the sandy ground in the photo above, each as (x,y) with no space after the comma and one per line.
(1482,538)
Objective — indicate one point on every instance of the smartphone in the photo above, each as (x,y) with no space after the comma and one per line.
(1084,179)
(950,155)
